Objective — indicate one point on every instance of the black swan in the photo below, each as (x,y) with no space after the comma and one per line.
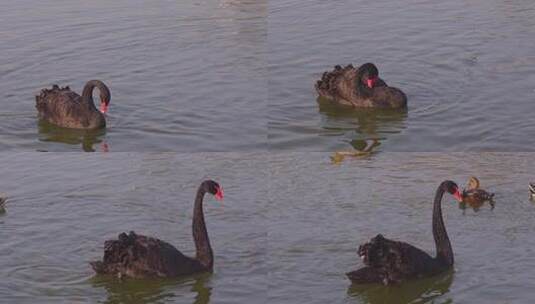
(359,88)
(65,108)
(474,196)
(389,261)
(139,256)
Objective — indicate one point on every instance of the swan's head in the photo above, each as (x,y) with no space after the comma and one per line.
(452,189)
(370,74)
(213,188)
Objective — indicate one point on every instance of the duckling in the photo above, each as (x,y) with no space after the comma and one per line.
(474,196)
(339,156)
(532,191)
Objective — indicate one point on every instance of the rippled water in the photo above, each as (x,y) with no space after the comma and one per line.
(467,67)
(184,76)
(286,232)
(319,213)
(61,208)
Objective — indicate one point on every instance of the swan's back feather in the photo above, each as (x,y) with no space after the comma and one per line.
(138,256)
(65,108)
(395,261)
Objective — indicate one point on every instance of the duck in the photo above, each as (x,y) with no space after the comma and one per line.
(65,108)
(359,88)
(133,255)
(392,262)
(531,187)
(474,196)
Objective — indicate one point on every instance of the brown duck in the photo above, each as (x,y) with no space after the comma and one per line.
(388,261)
(138,256)
(474,196)
(359,88)
(65,108)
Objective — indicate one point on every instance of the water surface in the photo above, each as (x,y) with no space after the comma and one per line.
(62,207)
(184,76)
(467,67)
(319,213)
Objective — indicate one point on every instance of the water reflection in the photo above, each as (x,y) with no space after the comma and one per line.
(141,291)
(368,124)
(86,138)
(476,206)
(416,291)
(359,152)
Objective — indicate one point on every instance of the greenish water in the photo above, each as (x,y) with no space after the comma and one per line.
(467,67)
(62,207)
(286,232)
(320,213)
(184,76)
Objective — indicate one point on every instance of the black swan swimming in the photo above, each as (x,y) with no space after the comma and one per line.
(139,256)
(65,108)
(359,88)
(389,261)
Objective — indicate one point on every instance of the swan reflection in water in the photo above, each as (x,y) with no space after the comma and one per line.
(86,138)
(414,291)
(367,124)
(191,289)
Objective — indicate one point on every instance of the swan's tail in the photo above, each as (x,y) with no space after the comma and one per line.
(326,86)
(45,95)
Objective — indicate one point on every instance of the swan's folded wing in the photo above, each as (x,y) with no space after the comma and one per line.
(140,256)
(337,84)
(366,275)
(57,103)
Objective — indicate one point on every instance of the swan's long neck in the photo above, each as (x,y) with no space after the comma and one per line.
(204,252)
(442,242)
(88,90)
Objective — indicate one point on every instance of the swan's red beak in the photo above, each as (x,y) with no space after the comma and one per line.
(458,195)
(103,107)
(370,82)
(219,194)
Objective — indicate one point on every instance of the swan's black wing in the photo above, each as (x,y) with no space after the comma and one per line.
(65,108)
(397,260)
(368,275)
(337,85)
(137,256)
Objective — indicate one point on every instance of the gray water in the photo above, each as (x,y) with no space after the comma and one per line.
(61,208)
(319,213)
(237,76)
(184,76)
(286,232)
(467,67)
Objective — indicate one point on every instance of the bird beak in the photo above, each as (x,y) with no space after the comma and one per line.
(103,108)
(458,195)
(219,194)
(370,82)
